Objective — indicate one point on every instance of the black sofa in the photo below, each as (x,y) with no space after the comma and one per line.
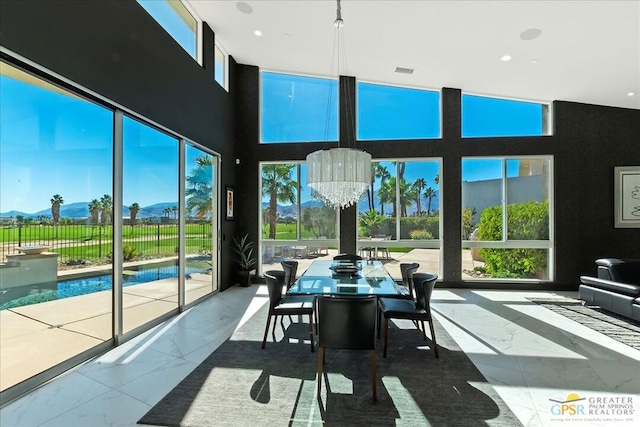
(616,287)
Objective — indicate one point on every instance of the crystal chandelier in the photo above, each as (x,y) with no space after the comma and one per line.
(340,176)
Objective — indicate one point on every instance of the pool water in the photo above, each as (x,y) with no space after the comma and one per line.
(87,285)
(75,287)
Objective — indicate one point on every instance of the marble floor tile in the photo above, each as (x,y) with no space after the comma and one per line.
(528,353)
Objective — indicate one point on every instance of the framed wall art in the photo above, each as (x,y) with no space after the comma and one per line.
(230,204)
(627,197)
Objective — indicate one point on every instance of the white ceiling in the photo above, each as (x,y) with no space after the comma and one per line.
(588,51)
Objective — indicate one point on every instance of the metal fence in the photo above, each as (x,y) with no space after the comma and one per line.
(79,244)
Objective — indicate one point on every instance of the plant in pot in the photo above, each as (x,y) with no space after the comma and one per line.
(244,249)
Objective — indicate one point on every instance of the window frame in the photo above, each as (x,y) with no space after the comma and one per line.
(547,115)
(290,73)
(298,241)
(225,65)
(506,243)
(399,86)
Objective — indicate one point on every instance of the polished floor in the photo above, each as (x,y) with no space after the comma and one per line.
(531,356)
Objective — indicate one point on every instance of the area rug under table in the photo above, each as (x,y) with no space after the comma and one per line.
(241,385)
(620,328)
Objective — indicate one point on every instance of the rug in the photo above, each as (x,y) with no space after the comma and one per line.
(241,385)
(620,328)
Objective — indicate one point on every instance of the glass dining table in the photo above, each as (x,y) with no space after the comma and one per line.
(367,277)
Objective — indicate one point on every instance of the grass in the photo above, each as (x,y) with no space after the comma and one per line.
(82,233)
(287,232)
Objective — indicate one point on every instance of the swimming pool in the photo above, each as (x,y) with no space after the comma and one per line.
(87,285)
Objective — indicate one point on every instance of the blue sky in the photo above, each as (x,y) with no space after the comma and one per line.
(56,143)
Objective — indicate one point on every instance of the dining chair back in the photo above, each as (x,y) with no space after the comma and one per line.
(425,283)
(280,305)
(407,269)
(290,268)
(347,323)
(347,257)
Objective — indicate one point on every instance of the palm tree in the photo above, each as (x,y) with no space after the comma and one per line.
(437,179)
(387,194)
(56,201)
(166,212)
(400,167)
(377,171)
(94,210)
(279,185)
(106,208)
(133,212)
(200,187)
(418,185)
(174,209)
(429,193)
(407,196)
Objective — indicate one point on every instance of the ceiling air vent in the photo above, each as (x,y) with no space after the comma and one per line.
(402,70)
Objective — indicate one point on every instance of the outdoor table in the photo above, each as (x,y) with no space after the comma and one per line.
(371,279)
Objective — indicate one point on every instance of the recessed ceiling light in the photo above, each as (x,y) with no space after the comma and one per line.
(534,61)
(244,7)
(506,58)
(631,94)
(403,70)
(287,35)
(530,34)
(258,33)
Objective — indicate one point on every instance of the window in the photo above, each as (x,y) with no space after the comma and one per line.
(294,222)
(150,187)
(506,218)
(298,109)
(220,67)
(388,112)
(58,154)
(484,117)
(400,215)
(200,223)
(56,157)
(177,20)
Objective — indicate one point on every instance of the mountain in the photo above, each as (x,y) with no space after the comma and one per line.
(81,210)
(12,214)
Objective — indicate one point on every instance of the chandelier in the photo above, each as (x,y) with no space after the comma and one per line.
(340,176)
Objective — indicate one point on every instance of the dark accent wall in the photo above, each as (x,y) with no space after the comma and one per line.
(587,143)
(117,50)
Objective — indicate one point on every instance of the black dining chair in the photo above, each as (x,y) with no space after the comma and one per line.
(290,268)
(347,257)
(417,310)
(347,323)
(284,306)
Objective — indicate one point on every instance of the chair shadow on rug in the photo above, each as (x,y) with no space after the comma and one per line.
(239,381)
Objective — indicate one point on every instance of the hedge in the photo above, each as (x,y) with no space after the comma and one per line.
(525,221)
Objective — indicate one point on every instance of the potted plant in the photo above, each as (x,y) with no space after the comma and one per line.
(244,249)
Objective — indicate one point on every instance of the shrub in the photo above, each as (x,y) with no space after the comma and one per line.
(371,222)
(431,224)
(129,253)
(525,221)
(420,234)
